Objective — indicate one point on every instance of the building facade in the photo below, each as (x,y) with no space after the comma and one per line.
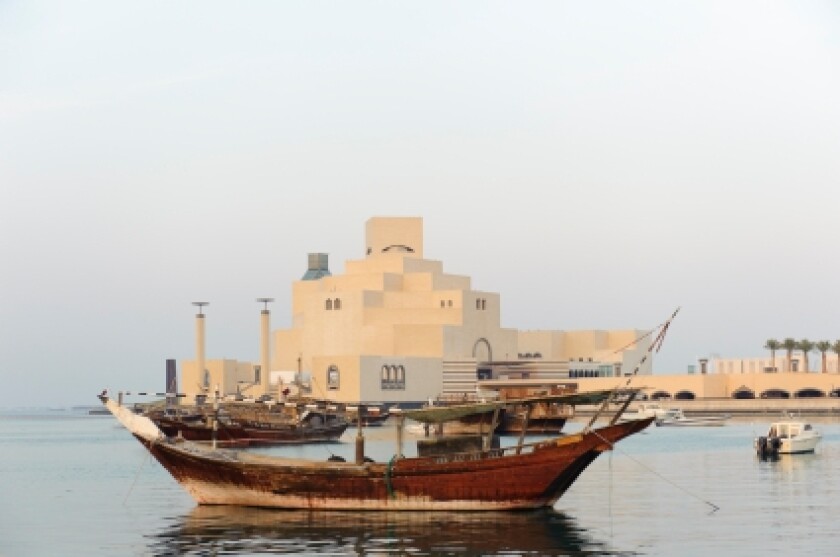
(394,327)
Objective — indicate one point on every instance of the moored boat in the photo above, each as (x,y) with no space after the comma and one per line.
(645,410)
(676,417)
(236,426)
(788,437)
(524,476)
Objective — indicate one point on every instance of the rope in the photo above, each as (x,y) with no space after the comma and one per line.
(714,507)
(656,343)
(136,475)
(388,476)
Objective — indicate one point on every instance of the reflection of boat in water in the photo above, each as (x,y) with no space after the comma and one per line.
(214,530)
(446,476)
(789,437)
(675,417)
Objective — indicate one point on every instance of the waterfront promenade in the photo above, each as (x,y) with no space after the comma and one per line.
(764,407)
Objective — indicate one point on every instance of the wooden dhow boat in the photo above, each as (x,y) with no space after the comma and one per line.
(447,476)
(250,425)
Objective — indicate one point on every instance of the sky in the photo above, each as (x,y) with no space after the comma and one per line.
(597,163)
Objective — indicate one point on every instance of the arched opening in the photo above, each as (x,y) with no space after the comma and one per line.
(685,395)
(481,351)
(775,393)
(660,395)
(809,393)
(398,248)
(743,393)
(328,304)
(337,303)
(835,393)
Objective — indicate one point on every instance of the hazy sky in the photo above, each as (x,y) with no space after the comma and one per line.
(596,163)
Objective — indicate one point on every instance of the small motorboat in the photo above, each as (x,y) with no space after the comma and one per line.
(645,410)
(675,417)
(787,438)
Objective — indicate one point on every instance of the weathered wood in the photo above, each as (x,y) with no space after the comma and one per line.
(533,476)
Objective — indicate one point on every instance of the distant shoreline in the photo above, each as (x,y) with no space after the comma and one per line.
(828,407)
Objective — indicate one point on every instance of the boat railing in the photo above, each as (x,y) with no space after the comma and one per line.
(498,452)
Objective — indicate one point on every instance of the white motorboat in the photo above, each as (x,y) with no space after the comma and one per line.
(789,437)
(675,417)
(645,410)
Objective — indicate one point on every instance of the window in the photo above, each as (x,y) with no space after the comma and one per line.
(206,379)
(329,305)
(333,378)
(257,370)
(337,304)
(483,303)
(442,304)
(392,377)
(477,303)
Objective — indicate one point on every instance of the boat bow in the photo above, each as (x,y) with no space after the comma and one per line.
(140,426)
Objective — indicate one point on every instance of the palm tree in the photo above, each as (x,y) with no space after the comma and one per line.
(806,346)
(789,345)
(836,349)
(772,345)
(823,346)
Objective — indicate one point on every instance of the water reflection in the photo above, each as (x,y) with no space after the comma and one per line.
(246,531)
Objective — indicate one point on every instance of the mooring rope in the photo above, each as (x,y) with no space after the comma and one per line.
(714,507)
(388,476)
(137,475)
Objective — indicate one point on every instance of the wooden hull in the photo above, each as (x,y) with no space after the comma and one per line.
(498,479)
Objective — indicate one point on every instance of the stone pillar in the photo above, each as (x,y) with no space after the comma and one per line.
(265,354)
(199,341)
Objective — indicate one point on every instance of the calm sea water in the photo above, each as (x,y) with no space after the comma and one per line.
(73,484)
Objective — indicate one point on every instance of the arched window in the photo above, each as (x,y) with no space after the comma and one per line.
(206,379)
(743,393)
(328,304)
(337,303)
(775,393)
(684,395)
(392,377)
(333,378)
(809,393)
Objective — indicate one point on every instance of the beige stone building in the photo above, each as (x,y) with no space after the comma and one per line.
(394,327)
